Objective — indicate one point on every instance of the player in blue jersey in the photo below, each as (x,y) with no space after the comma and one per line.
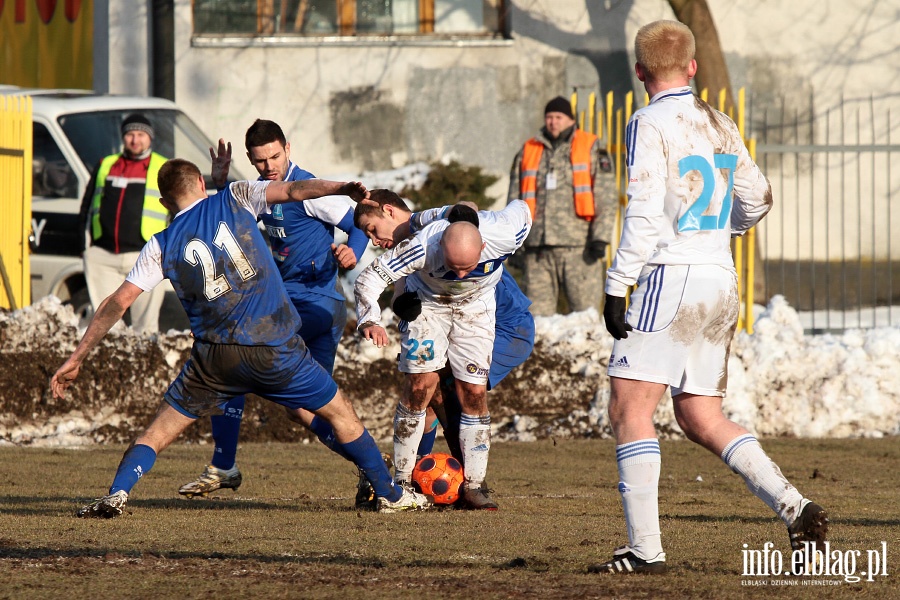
(692,186)
(454,269)
(243,323)
(302,239)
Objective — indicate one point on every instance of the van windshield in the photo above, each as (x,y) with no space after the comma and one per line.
(95,135)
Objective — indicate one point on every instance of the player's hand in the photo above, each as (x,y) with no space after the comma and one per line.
(221,163)
(596,250)
(368,202)
(376,333)
(356,190)
(614,315)
(344,255)
(407,306)
(63,378)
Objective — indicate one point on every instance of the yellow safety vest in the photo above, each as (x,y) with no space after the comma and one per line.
(153,217)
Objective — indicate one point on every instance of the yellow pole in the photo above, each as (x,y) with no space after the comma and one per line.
(609,123)
(739,267)
(751,258)
(592,107)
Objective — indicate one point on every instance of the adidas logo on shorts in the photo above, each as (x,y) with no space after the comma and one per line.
(622,363)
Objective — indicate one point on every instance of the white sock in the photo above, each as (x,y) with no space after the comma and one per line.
(408,429)
(475,443)
(639,464)
(763,477)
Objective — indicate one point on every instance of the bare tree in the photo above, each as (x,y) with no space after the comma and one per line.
(712,71)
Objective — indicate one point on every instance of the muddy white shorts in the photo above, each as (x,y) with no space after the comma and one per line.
(684,317)
(461,333)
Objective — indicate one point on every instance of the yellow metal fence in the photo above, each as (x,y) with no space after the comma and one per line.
(608,121)
(15,200)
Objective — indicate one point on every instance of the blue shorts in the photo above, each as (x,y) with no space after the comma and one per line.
(322,321)
(216,373)
(513,343)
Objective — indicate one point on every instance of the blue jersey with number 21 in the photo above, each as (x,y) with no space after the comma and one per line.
(223,271)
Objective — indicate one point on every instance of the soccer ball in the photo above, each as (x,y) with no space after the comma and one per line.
(440,476)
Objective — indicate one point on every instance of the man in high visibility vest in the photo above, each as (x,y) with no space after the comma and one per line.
(567,180)
(120,212)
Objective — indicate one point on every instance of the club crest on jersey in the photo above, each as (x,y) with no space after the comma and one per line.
(474,369)
(488,267)
(278,213)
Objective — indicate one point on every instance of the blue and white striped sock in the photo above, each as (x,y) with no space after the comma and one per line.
(475,443)
(639,465)
(763,477)
(409,426)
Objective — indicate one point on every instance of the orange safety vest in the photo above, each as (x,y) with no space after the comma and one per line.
(582,181)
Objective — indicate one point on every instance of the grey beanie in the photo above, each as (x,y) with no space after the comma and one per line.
(137,122)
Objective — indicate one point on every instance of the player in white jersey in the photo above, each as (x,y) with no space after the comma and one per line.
(691,186)
(453,268)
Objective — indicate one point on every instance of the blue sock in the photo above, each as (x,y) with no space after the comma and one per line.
(137,462)
(325,432)
(426,446)
(225,431)
(367,457)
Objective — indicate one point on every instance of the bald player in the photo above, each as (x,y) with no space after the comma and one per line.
(454,269)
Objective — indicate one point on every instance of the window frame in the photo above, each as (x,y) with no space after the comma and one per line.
(347,35)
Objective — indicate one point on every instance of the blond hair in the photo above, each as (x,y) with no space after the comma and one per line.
(664,49)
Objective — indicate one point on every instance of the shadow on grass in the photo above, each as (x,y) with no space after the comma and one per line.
(114,555)
(858,522)
(49,505)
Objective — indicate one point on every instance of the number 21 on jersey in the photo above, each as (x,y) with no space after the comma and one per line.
(196,252)
(694,219)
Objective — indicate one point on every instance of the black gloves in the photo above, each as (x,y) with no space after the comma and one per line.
(596,249)
(407,306)
(614,315)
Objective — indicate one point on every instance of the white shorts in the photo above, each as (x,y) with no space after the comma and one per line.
(684,318)
(461,333)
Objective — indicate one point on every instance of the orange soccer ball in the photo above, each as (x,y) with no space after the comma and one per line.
(440,476)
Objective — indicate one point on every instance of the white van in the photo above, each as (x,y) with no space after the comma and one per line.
(73,131)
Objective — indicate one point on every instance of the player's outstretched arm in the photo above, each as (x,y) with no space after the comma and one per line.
(108,314)
(298,191)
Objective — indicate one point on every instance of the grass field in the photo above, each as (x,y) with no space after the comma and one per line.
(291,532)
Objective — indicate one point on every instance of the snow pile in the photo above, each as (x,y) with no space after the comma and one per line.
(781,382)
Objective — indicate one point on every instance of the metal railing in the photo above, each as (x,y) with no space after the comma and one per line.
(826,245)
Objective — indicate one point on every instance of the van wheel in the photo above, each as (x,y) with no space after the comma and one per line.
(81,304)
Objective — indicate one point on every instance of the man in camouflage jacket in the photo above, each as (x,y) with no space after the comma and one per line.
(568,181)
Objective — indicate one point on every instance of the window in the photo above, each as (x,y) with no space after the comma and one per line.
(349,17)
(96,134)
(52,176)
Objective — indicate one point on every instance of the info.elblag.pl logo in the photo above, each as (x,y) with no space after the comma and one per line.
(814,561)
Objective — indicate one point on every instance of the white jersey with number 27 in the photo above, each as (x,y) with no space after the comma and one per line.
(691,186)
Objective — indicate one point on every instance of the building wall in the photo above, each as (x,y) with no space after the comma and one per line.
(360,105)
